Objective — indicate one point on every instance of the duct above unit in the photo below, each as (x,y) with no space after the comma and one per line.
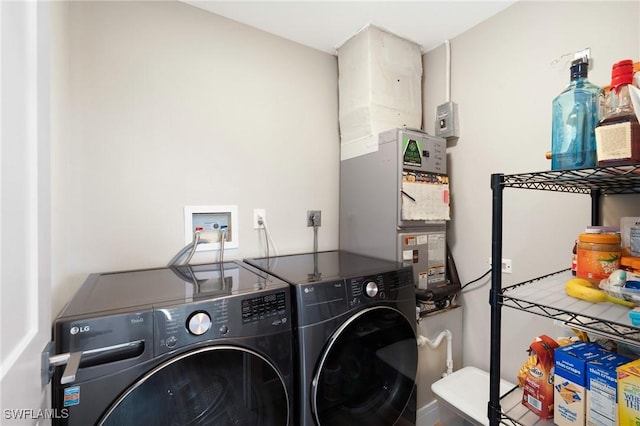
(380,88)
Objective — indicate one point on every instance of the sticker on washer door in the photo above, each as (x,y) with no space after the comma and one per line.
(71,396)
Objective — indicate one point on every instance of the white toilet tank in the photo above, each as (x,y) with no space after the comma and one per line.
(463,397)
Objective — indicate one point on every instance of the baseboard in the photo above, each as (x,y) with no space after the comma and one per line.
(427,415)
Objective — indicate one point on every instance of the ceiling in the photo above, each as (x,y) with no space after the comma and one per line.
(326,25)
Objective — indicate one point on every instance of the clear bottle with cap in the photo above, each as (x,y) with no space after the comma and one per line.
(618,132)
(575,116)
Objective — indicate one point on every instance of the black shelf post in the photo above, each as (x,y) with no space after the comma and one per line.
(495,296)
(595,207)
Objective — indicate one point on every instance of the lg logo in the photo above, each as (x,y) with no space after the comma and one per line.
(76,330)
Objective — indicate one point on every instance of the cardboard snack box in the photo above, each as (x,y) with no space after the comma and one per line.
(602,390)
(570,381)
(629,393)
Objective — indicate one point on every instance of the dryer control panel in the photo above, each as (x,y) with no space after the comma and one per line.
(374,287)
(324,300)
(380,287)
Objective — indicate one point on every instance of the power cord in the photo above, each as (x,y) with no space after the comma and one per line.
(477,279)
(268,239)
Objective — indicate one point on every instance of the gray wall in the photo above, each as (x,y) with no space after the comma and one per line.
(504,76)
(169,106)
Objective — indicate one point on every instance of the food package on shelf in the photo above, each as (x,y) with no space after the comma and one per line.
(627,225)
(629,393)
(570,381)
(602,394)
(536,377)
(623,285)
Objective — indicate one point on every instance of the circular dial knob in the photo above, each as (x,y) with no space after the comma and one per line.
(371,289)
(199,323)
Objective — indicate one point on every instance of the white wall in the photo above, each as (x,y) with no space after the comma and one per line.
(169,106)
(60,146)
(504,79)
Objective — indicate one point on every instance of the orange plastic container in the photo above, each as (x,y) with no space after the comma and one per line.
(598,256)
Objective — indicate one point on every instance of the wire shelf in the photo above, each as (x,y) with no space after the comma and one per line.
(608,180)
(545,296)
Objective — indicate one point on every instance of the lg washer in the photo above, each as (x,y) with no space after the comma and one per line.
(191,345)
(355,338)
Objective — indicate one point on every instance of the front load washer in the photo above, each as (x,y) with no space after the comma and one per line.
(355,338)
(189,345)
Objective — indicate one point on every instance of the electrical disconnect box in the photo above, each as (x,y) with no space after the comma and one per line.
(447,120)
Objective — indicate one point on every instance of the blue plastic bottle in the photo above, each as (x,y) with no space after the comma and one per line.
(575,116)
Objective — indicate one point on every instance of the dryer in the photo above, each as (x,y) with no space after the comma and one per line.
(191,345)
(355,337)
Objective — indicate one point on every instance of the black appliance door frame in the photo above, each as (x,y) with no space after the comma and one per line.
(366,375)
(278,409)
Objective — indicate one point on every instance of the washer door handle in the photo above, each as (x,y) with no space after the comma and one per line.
(70,370)
(71,362)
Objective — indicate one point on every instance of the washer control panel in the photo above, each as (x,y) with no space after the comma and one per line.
(228,317)
(263,307)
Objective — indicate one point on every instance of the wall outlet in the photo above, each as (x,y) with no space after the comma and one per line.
(506,266)
(314,218)
(257,215)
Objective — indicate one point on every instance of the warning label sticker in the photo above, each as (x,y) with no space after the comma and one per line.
(71,396)
(411,150)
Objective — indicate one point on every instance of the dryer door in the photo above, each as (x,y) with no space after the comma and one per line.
(218,385)
(367,373)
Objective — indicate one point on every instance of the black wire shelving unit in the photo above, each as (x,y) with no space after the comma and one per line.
(545,295)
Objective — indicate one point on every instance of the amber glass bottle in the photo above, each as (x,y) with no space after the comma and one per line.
(618,132)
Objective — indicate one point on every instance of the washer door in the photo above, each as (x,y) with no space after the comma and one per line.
(220,385)
(367,373)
